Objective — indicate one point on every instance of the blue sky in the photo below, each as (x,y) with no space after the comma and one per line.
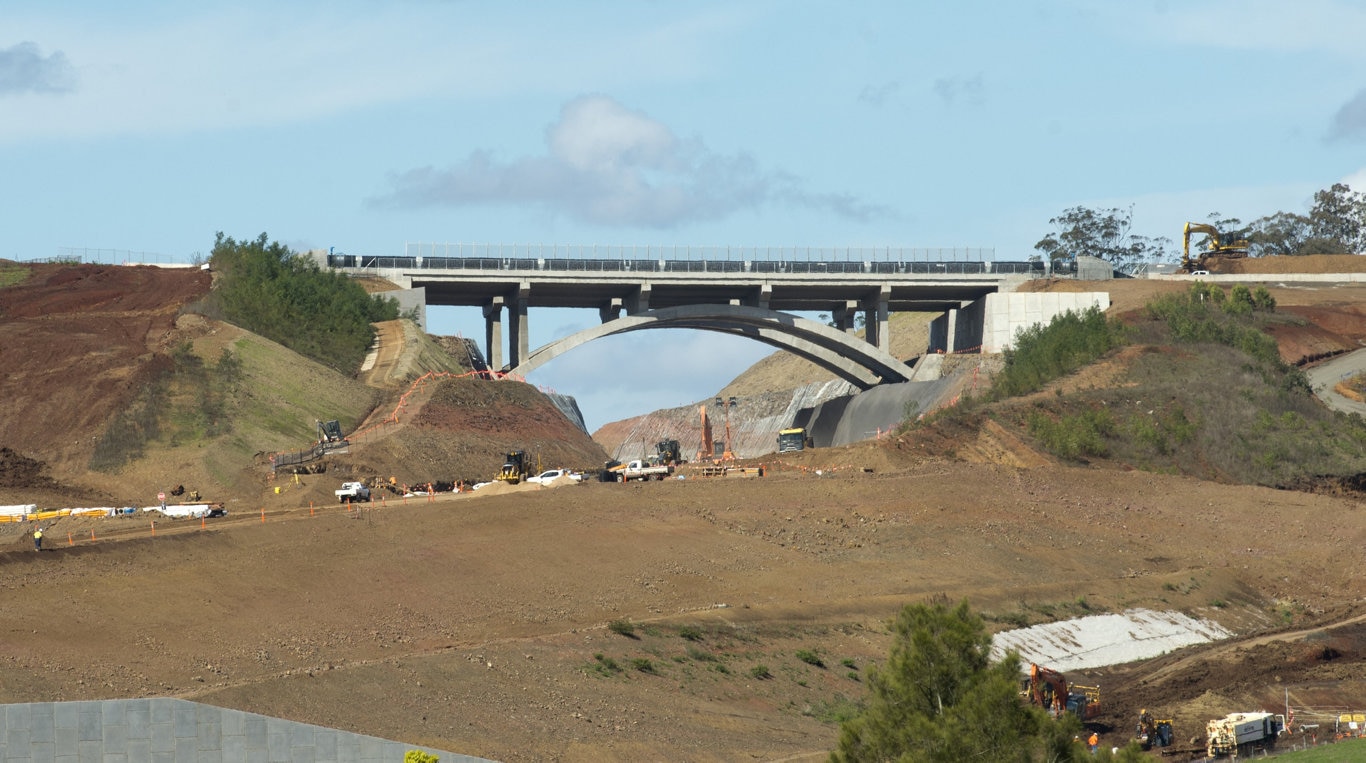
(367,125)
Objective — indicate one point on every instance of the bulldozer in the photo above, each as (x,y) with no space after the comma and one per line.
(1222,246)
(1049,689)
(514,468)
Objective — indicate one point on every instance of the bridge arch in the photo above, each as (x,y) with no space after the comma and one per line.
(848,357)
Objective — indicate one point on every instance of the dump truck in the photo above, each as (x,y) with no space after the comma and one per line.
(792,439)
(1241,734)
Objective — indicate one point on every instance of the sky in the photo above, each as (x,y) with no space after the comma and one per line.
(366,125)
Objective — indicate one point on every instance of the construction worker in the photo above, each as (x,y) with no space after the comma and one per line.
(38,539)
(1093,742)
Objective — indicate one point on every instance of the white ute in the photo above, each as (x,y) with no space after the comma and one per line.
(351,492)
(550,475)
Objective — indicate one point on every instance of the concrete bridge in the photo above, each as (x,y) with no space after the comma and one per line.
(749,292)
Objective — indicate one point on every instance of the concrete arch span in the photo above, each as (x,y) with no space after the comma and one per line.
(848,357)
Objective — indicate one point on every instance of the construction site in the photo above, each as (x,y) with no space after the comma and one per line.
(384,562)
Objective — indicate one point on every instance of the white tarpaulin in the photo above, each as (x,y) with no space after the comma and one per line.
(1099,640)
(18,510)
(182,510)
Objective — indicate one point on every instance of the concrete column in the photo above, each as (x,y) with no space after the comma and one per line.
(950,341)
(875,320)
(610,311)
(843,317)
(765,294)
(493,332)
(639,302)
(519,342)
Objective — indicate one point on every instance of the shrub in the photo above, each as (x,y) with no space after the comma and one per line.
(419,756)
(810,658)
(1042,353)
(643,664)
(760,672)
(622,627)
(690,632)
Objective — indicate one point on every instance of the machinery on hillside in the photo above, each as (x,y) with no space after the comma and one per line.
(1241,734)
(704,452)
(515,468)
(1049,689)
(1225,246)
(1153,732)
(793,439)
(670,452)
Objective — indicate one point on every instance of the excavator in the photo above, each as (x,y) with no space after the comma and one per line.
(1153,732)
(1229,246)
(1050,690)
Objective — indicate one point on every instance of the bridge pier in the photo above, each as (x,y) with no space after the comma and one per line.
(493,332)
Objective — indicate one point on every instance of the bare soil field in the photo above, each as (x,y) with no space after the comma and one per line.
(479,622)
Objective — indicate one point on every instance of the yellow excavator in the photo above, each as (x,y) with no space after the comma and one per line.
(1228,246)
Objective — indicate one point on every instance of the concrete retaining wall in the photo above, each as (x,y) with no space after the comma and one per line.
(990,323)
(164,730)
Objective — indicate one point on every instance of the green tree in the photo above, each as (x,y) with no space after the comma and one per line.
(265,288)
(1338,221)
(1103,233)
(1283,233)
(941,698)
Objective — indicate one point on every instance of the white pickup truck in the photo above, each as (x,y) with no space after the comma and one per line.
(550,475)
(351,492)
(634,470)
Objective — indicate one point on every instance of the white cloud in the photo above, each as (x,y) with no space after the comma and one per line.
(1270,25)
(608,165)
(24,69)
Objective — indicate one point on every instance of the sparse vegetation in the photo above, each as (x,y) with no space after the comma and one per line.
(622,627)
(1043,353)
(810,658)
(690,632)
(13,273)
(760,672)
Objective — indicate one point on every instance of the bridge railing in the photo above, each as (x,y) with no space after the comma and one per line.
(642,265)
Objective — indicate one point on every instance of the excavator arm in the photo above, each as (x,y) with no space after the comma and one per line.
(1220,244)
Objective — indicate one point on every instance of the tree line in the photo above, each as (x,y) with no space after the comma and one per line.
(287,298)
(1335,224)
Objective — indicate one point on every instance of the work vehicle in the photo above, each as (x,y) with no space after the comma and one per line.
(351,492)
(1241,734)
(1049,689)
(793,439)
(670,452)
(550,475)
(1228,246)
(514,468)
(1153,732)
(616,471)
